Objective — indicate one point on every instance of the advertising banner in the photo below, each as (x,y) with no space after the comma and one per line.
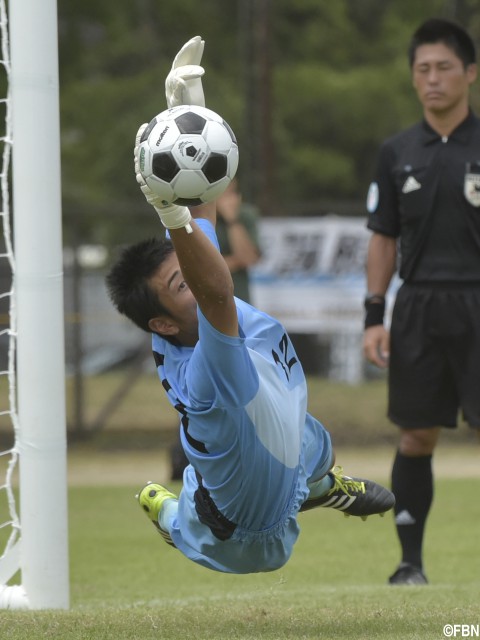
(312,273)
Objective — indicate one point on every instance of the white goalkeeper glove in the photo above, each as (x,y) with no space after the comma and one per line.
(184,82)
(172,216)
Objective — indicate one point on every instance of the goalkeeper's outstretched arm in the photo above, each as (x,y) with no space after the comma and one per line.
(208,277)
(203,267)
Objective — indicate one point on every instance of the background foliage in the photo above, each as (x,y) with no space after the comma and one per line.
(310,88)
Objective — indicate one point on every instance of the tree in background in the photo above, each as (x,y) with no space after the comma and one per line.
(310,88)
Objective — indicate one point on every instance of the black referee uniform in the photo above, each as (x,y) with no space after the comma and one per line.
(427,194)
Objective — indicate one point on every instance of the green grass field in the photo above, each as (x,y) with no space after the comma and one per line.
(127,584)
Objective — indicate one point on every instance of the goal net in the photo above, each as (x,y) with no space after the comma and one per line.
(33,487)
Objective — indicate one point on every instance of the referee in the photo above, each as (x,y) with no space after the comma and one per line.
(424,206)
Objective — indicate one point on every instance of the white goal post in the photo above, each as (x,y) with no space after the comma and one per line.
(41,551)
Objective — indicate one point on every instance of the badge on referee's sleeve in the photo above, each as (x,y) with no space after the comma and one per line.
(471,185)
(372,197)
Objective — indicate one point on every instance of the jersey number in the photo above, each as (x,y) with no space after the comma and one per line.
(282,359)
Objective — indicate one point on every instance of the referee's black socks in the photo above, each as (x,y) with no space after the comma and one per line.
(412,485)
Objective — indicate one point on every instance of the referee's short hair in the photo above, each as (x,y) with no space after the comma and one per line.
(451,34)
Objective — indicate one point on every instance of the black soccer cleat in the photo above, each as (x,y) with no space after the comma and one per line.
(408,574)
(353,496)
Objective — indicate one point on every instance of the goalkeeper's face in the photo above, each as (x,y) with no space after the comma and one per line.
(180,321)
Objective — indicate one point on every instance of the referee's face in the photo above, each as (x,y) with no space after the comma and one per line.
(440,78)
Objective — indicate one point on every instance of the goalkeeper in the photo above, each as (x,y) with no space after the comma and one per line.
(256,456)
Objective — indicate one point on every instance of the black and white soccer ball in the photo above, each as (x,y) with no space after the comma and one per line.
(188,155)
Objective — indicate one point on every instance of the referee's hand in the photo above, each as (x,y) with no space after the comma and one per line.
(376,345)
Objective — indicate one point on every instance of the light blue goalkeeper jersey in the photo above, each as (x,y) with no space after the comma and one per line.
(251,444)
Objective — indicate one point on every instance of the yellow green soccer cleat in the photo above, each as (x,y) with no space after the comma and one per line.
(353,496)
(151,499)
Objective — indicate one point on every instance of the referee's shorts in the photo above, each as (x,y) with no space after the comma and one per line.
(434,370)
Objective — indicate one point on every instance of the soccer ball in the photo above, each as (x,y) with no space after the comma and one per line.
(188,155)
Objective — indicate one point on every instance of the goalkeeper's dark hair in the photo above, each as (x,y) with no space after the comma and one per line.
(128,282)
(449,33)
